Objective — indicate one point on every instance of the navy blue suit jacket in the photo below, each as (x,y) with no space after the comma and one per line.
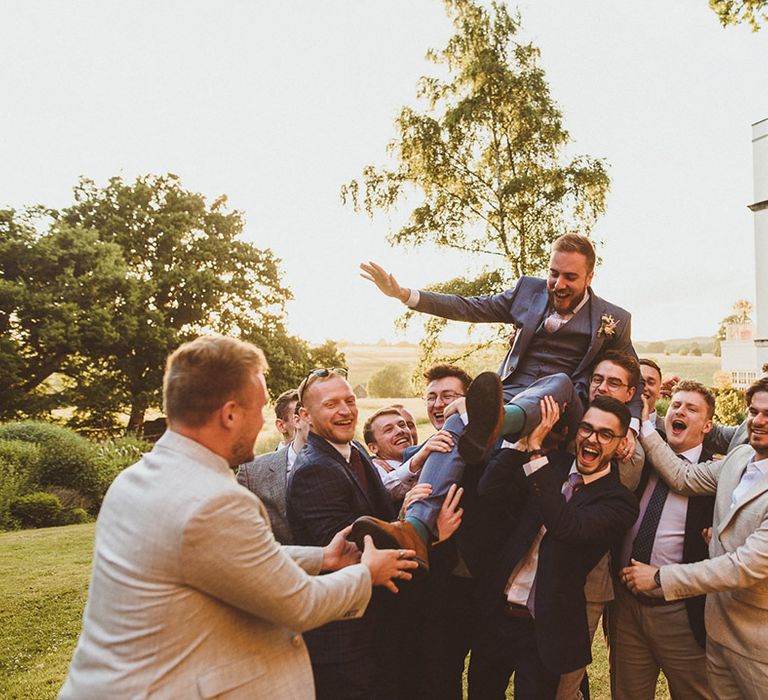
(578,533)
(525,306)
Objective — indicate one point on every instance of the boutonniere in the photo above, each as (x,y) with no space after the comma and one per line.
(607,326)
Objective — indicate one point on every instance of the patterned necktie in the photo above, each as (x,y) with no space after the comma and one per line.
(358,469)
(646,533)
(554,321)
(571,485)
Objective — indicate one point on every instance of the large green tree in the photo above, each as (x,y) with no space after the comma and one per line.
(753,12)
(61,294)
(189,272)
(482,162)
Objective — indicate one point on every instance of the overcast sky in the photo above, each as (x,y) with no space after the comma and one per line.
(277,104)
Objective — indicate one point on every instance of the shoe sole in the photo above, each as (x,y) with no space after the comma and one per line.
(366,525)
(486,416)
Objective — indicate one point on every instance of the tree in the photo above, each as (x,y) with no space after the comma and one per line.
(61,292)
(485,157)
(737,11)
(189,273)
(390,382)
(742,313)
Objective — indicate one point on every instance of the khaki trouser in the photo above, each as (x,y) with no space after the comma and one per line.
(645,639)
(733,676)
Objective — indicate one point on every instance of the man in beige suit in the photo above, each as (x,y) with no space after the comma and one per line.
(191,596)
(735,578)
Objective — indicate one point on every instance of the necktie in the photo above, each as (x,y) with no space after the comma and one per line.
(554,321)
(571,485)
(358,469)
(574,482)
(646,533)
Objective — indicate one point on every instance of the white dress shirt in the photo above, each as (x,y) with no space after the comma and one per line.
(398,479)
(753,473)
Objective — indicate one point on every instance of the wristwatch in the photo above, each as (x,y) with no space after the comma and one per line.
(657,578)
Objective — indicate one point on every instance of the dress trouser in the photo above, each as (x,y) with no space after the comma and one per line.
(735,677)
(442,469)
(645,639)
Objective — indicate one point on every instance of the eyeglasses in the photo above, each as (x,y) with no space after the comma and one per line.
(444,396)
(613,382)
(317,374)
(603,435)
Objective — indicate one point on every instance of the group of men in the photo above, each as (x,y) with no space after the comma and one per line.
(550,495)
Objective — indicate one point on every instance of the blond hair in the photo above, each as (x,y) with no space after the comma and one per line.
(205,373)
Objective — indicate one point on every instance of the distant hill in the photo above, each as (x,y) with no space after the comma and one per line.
(705,344)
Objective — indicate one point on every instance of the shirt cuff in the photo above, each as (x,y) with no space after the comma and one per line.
(647,429)
(534,465)
(413,298)
(634,424)
(407,465)
(405,475)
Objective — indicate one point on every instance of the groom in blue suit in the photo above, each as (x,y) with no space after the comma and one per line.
(561,328)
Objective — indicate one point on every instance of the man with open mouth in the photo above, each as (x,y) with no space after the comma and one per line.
(735,577)
(556,515)
(648,635)
(562,327)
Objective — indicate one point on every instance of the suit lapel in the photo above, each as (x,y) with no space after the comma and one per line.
(596,310)
(279,469)
(531,323)
(732,480)
(344,466)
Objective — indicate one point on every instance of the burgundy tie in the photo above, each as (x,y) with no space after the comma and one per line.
(358,469)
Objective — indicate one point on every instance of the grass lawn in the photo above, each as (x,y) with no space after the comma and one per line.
(43,584)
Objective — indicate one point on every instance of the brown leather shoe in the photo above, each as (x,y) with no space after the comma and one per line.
(485,410)
(396,535)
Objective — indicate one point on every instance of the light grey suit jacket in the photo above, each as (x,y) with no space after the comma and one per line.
(735,577)
(192,597)
(722,439)
(266,476)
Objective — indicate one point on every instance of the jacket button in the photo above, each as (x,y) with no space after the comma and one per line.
(296,640)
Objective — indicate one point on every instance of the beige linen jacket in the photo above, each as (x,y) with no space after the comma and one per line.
(192,597)
(735,577)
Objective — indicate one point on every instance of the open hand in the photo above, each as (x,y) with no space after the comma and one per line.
(550,414)
(667,385)
(384,280)
(416,494)
(388,565)
(449,518)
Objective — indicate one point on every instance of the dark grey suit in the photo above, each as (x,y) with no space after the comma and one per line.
(266,477)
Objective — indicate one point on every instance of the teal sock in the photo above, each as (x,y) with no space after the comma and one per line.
(514,420)
(421,529)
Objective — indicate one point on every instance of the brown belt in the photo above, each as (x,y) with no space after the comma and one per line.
(516,610)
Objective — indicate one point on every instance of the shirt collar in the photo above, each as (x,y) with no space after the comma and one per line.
(576,310)
(291,456)
(194,450)
(589,478)
(693,455)
(762,464)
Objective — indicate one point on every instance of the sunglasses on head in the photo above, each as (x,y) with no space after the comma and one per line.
(319,373)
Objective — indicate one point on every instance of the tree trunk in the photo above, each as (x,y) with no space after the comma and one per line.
(136,419)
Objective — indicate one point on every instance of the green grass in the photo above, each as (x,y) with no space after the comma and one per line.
(43,585)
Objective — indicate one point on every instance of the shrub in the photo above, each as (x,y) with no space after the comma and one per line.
(730,408)
(117,454)
(18,471)
(390,382)
(37,509)
(74,516)
(66,458)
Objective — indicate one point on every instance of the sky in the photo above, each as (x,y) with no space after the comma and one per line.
(277,104)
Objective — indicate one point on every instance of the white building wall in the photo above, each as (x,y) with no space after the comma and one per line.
(760,213)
